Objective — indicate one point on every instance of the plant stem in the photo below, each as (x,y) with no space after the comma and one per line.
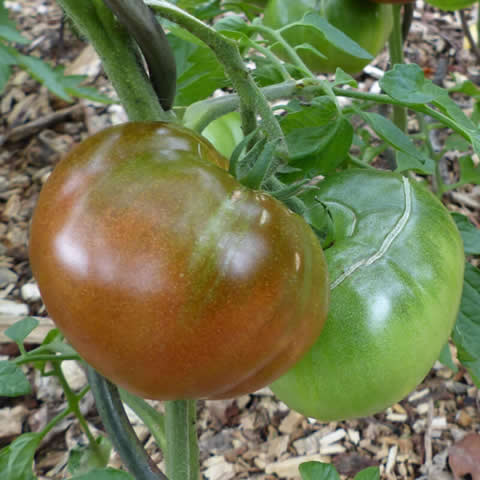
(395,45)
(58,418)
(47,357)
(182,445)
(73,402)
(119,57)
(277,37)
(119,429)
(142,24)
(252,101)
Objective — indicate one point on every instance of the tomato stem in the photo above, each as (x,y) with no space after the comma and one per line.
(119,429)
(252,101)
(143,26)
(182,446)
(395,45)
(119,58)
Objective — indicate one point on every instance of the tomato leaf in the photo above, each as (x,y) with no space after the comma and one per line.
(333,35)
(318,471)
(408,84)
(104,474)
(8,30)
(199,73)
(20,330)
(20,458)
(392,135)
(370,473)
(13,382)
(469,172)
(82,458)
(470,234)
(466,333)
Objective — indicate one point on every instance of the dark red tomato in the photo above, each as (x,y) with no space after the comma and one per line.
(167,275)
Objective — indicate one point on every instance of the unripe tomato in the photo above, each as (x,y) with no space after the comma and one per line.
(364,22)
(225,133)
(396,272)
(167,275)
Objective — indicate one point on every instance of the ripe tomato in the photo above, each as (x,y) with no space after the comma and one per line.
(396,271)
(366,23)
(167,275)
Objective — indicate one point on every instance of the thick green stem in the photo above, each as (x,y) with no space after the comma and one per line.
(119,57)
(182,445)
(396,57)
(252,100)
(119,429)
(142,25)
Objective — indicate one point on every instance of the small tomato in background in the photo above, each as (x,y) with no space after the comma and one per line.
(366,23)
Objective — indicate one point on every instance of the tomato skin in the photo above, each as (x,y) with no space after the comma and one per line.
(168,276)
(396,271)
(366,23)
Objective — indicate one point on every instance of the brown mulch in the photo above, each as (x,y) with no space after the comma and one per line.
(254,436)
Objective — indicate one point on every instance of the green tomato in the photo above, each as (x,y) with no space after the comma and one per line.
(225,133)
(451,4)
(396,276)
(367,23)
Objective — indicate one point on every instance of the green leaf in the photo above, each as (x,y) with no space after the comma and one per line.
(13,382)
(407,83)
(318,471)
(333,35)
(343,78)
(83,458)
(370,473)
(457,142)
(319,150)
(153,419)
(447,359)
(8,30)
(469,172)
(466,333)
(20,458)
(406,162)
(72,85)
(5,72)
(20,330)
(392,135)
(467,88)
(199,73)
(45,74)
(104,474)
(470,234)
(7,55)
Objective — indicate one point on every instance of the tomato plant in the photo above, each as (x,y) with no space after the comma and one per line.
(225,133)
(366,23)
(163,271)
(396,271)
